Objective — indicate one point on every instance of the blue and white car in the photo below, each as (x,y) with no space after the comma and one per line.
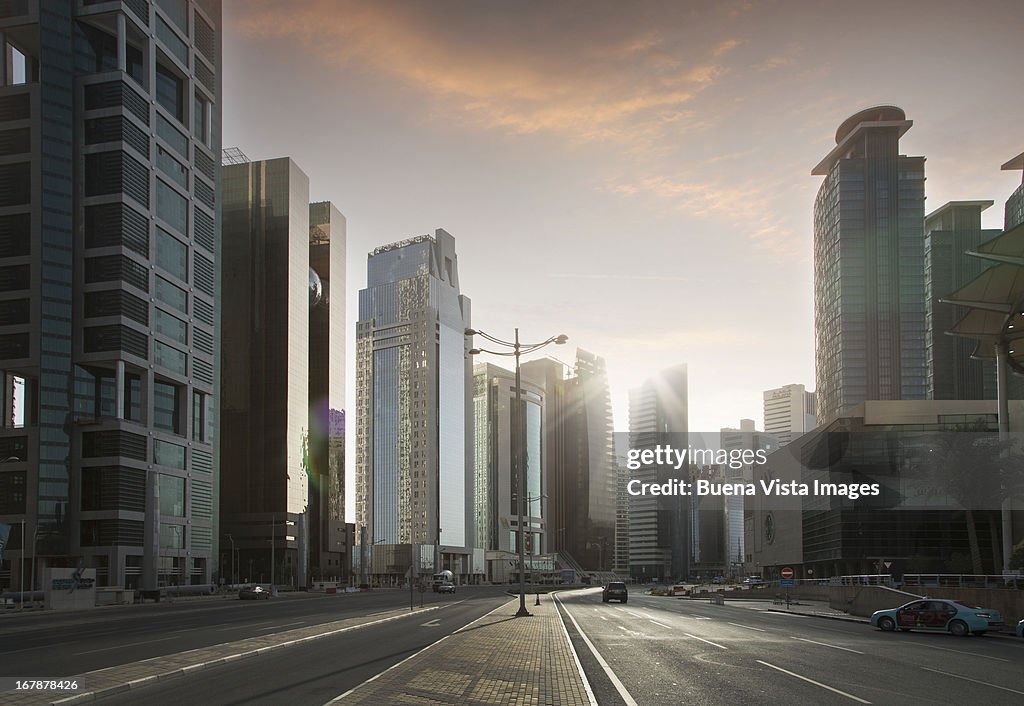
(938,616)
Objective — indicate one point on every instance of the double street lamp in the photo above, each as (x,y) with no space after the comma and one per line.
(517,348)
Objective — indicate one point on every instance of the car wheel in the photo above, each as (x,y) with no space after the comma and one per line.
(886,624)
(959,628)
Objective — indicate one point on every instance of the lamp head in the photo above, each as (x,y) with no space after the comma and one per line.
(475,351)
(561,339)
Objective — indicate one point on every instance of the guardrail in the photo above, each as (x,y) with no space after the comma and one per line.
(963,581)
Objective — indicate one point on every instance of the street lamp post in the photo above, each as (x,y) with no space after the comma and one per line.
(234,578)
(518,348)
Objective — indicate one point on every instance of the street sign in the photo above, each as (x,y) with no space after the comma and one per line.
(787,583)
(786,573)
(887,564)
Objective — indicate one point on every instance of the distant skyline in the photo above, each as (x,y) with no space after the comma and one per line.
(634,175)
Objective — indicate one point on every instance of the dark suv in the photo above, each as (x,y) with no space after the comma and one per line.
(615,590)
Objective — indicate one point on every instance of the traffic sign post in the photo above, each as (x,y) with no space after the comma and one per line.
(787,580)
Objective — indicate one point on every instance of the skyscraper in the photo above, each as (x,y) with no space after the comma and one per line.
(413,395)
(950,232)
(109,241)
(271,455)
(789,411)
(659,533)
(1013,213)
(326,442)
(496,487)
(869,297)
(580,458)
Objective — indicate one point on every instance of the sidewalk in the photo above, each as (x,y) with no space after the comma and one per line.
(499,659)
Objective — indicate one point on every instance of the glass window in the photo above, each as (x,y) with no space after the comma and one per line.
(172,495)
(172,536)
(170,358)
(171,254)
(201,119)
(133,397)
(170,326)
(198,416)
(171,40)
(171,206)
(171,135)
(167,406)
(167,454)
(170,91)
(171,295)
(171,167)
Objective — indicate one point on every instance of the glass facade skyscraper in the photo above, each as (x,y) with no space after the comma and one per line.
(869,293)
(413,396)
(109,244)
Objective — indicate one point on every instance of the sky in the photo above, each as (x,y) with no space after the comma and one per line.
(633,175)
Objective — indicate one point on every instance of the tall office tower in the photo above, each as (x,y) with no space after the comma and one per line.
(109,241)
(1014,209)
(747,438)
(265,393)
(413,396)
(620,560)
(789,411)
(581,458)
(496,485)
(950,232)
(659,532)
(326,443)
(869,298)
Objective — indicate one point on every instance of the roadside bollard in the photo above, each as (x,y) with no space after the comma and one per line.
(538,598)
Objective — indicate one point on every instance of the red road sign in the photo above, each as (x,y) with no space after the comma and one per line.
(786,573)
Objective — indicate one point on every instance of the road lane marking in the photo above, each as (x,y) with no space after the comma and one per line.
(246,625)
(338,698)
(816,683)
(118,647)
(976,681)
(431,624)
(661,624)
(959,652)
(619,687)
(748,627)
(721,647)
(576,659)
(602,617)
(825,644)
(635,615)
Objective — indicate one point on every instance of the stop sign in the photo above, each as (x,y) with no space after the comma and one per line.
(786,573)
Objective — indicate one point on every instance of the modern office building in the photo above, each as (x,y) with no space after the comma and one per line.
(325,448)
(496,485)
(869,295)
(109,250)
(951,231)
(414,388)
(789,411)
(659,526)
(274,459)
(581,459)
(620,559)
(1014,208)
(745,438)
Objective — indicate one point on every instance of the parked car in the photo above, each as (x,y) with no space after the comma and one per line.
(718,580)
(753,581)
(1020,629)
(253,593)
(446,588)
(614,591)
(940,616)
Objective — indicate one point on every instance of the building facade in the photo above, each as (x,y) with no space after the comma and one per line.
(950,232)
(869,294)
(1013,213)
(789,411)
(745,438)
(273,306)
(109,250)
(660,535)
(413,396)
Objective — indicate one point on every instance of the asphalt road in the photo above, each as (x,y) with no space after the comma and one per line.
(665,650)
(61,645)
(316,672)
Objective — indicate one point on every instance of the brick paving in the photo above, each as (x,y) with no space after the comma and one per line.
(103,682)
(499,659)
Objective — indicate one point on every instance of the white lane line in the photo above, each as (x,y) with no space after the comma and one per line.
(825,644)
(431,623)
(338,698)
(721,647)
(118,647)
(816,683)
(635,615)
(576,659)
(959,652)
(619,687)
(246,625)
(602,617)
(976,681)
(748,627)
(661,624)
